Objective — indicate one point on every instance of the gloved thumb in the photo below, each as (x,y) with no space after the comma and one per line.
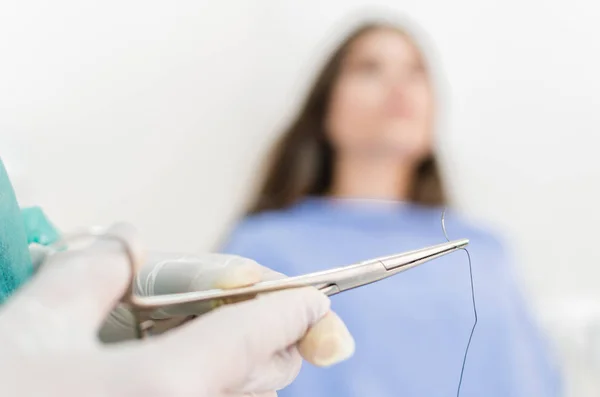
(327,342)
(246,334)
(81,286)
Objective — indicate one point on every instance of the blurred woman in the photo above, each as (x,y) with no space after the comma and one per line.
(355,176)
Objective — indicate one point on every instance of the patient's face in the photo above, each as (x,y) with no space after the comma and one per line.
(382,102)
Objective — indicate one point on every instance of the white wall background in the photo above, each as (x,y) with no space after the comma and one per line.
(158,113)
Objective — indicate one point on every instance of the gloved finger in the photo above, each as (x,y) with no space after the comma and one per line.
(283,367)
(277,373)
(85,285)
(241,273)
(326,343)
(245,335)
(171,274)
(270,275)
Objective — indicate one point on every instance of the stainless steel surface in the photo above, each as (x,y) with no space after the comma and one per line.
(414,258)
(343,278)
(330,282)
(368,272)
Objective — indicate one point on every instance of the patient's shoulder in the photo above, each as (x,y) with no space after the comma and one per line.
(258,231)
(266,222)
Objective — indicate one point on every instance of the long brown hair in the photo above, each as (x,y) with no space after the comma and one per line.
(302,161)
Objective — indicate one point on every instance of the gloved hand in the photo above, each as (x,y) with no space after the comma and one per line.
(325,344)
(245,347)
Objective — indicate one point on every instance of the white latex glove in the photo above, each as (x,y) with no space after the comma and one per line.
(50,346)
(326,343)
